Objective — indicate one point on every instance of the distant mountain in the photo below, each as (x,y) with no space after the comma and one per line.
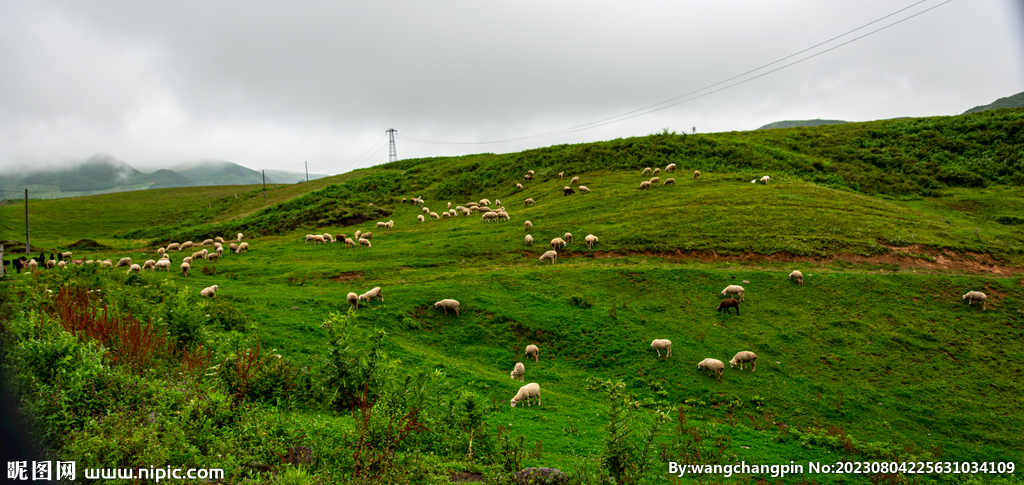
(1015,101)
(283,177)
(103,173)
(798,123)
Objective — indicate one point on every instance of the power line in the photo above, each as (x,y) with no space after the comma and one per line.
(657,106)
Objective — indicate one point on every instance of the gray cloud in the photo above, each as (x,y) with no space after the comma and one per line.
(270,85)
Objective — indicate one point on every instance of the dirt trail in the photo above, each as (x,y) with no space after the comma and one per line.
(905,257)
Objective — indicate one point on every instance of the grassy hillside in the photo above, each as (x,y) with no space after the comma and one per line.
(800,123)
(1015,101)
(876,357)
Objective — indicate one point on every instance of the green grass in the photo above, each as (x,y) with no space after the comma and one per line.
(877,346)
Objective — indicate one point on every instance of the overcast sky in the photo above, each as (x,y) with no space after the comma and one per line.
(271,85)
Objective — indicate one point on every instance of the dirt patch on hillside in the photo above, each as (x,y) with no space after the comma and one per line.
(351,275)
(914,256)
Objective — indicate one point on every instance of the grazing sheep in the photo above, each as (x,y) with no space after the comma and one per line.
(434,216)
(213,257)
(485,202)
(187,259)
(420,218)
(358,233)
(65,255)
(184,268)
(62,264)
(798,276)
(328,237)
(529,240)
(448,304)
(655,181)
(532,351)
(696,174)
(518,372)
(364,242)
(466,212)
(426,210)
(497,202)
(174,247)
(219,239)
(242,248)
(669,181)
(647,171)
(973,296)
(766,179)
(662,344)
(529,177)
(233,247)
(209,291)
(106,263)
(502,215)
(656,171)
(526,393)
(389,225)
(560,174)
(450,213)
(574,181)
(51,264)
(714,367)
(374,293)
(124,262)
(528,202)
(557,243)
(729,303)
(150,263)
(200,255)
(161,251)
(552,255)
(733,290)
(165,256)
(33,265)
(529,225)
(568,191)
(239,237)
(206,242)
(134,269)
(742,358)
(490,216)
(164,264)
(185,245)
(568,237)
(217,245)
(519,186)
(445,214)
(584,189)
(349,242)
(531,172)
(590,239)
(670,168)
(645,185)
(219,252)
(449,205)
(353,299)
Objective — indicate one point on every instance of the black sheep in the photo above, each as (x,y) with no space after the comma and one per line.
(568,191)
(729,303)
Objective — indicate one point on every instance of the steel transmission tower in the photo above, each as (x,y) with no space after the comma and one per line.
(392,154)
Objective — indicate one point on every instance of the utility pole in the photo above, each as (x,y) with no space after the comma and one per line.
(307,171)
(28,247)
(264,186)
(392,154)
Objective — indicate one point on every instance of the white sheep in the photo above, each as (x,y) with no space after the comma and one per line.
(519,372)
(662,344)
(164,264)
(134,269)
(529,202)
(446,214)
(645,185)
(328,237)
(647,171)
(449,205)
(557,243)
(353,298)
(239,237)
(219,239)
(669,181)
(174,247)
(529,225)
(106,263)
(656,171)
(209,291)
(389,225)
(219,252)
(65,255)
(124,262)
(489,216)
(485,201)
(309,237)
(798,276)
(165,256)
(696,174)
(584,189)
(233,247)
(187,259)
(670,168)
(766,179)
(713,366)
(434,216)
(655,181)
(161,251)
(527,392)
(590,239)
(529,240)
(531,172)
(364,242)
(420,218)
(574,180)
(374,293)
(185,245)
(349,242)
(51,264)
(533,351)
(359,232)
(242,248)
(560,174)
(213,257)
(199,254)
(184,268)
(743,358)
(426,210)
(973,296)
(62,264)
(33,265)
(519,186)
(552,255)
(448,304)
(733,290)
(150,263)
(206,242)
(568,237)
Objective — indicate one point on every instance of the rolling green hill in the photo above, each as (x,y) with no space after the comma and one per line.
(875,358)
(1015,101)
(800,123)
